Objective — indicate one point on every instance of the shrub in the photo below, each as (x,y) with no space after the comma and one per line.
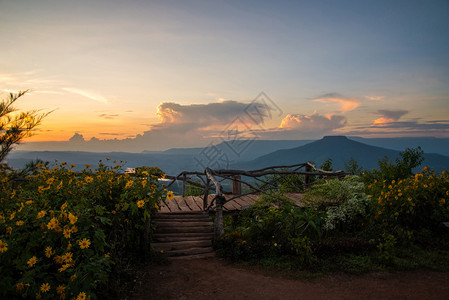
(62,233)
(417,202)
(344,201)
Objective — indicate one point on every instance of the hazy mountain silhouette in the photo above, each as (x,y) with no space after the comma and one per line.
(340,149)
(256,154)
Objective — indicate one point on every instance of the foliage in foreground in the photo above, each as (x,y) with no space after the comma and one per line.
(63,233)
(388,218)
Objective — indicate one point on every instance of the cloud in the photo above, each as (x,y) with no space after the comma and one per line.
(375,98)
(346,104)
(312,123)
(389,116)
(108,116)
(87,94)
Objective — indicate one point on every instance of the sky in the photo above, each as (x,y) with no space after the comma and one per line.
(150,75)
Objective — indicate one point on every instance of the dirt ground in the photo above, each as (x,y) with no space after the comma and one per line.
(217,279)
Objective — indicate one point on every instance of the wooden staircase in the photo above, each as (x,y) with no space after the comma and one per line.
(184,235)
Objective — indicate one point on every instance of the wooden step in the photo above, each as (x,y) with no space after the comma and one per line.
(194,256)
(190,251)
(179,245)
(178,237)
(185,229)
(182,224)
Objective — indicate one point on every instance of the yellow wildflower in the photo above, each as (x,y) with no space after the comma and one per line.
(84,243)
(19,223)
(12,215)
(29,202)
(67,257)
(48,252)
(20,286)
(88,179)
(60,289)
(32,261)
(53,224)
(170,195)
(72,218)
(64,206)
(3,246)
(156,206)
(113,212)
(72,165)
(66,232)
(41,214)
(64,267)
(9,230)
(129,184)
(50,181)
(140,203)
(73,277)
(81,296)
(87,166)
(45,287)
(59,186)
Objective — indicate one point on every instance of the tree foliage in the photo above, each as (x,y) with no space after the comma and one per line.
(16,125)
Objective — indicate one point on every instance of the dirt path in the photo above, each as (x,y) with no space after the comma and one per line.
(216,279)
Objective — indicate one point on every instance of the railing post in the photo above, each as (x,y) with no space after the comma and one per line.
(236,185)
(219,231)
(183,184)
(206,194)
(306,176)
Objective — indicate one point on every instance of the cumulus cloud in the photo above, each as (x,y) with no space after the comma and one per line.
(203,115)
(314,122)
(389,116)
(345,103)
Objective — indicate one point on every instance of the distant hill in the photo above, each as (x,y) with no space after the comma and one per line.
(340,149)
(255,154)
(428,144)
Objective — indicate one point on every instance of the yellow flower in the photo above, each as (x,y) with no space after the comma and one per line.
(12,215)
(145,173)
(67,257)
(64,206)
(170,195)
(64,267)
(140,203)
(59,186)
(3,246)
(60,290)
(50,181)
(73,277)
(45,287)
(48,252)
(53,224)
(9,230)
(81,296)
(19,223)
(66,232)
(129,184)
(72,165)
(41,214)
(84,243)
(87,166)
(72,218)
(32,261)
(20,286)
(69,246)
(38,296)
(275,244)
(156,206)
(88,179)
(29,202)
(113,212)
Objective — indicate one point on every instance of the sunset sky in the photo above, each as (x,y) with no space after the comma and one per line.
(171,73)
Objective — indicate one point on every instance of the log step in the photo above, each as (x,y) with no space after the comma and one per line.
(184,235)
(180,245)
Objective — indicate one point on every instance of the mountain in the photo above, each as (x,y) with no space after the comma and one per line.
(428,144)
(340,149)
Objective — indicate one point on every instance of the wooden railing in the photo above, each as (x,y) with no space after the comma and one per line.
(261,183)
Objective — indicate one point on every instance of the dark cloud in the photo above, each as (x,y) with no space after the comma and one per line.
(392,114)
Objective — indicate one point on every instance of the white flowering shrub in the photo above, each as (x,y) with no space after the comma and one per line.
(344,201)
